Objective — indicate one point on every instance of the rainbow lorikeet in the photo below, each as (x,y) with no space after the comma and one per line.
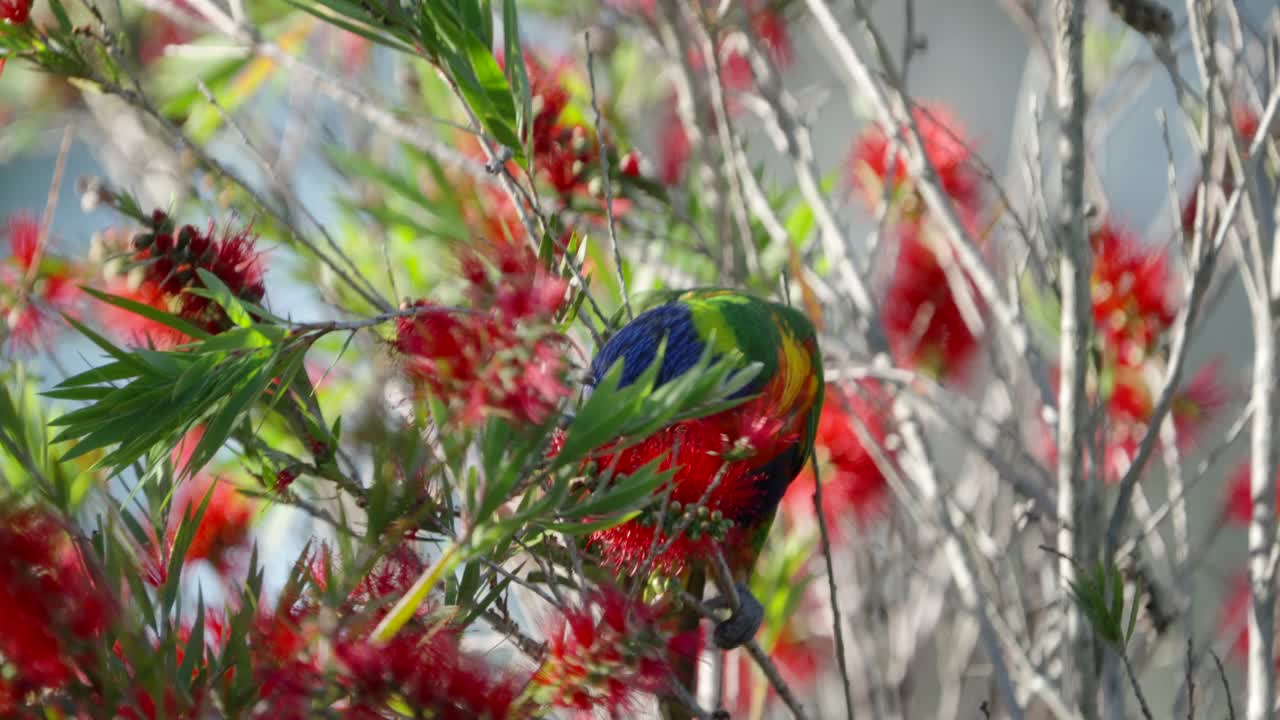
(731,468)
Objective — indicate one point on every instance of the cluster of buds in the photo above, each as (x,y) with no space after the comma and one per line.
(696,520)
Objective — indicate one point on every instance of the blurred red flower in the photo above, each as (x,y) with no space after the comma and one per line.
(502,357)
(15,11)
(34,286)
(1133,303)
(854,488)
(171,258)
(873,163)
(674,145)
(602,653)
(50,606)
(223,528)
(921,316)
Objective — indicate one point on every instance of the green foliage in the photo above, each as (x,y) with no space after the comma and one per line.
(1099,593)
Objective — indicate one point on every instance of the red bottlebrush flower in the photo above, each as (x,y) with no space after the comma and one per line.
(439,346)
(50,607)
(504,359)
(430,671)
(34,286)
(1237,509)
(771,26)
(854,488)
(675,146)
(1132,298)
(390,577)
(1237,506)
(285,668)
(873,163)
(603,653)
(224,527)
(15,12)
(170,259)
(24,239)
(1199,403)
(921,316)
(701,451)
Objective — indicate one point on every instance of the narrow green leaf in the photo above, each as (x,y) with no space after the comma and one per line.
(167,319)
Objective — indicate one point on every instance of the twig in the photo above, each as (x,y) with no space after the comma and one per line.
(792,139)
(533,649)
(761,658)
(282,188)
(50,206)
(1226,686)
(838,618)
(1190,681)
(608,183)
(1133,682)
(1073,536)
(744,261)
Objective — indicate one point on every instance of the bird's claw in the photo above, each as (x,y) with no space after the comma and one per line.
(742,625)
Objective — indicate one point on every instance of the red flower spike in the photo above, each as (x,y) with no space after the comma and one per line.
(603,653)
(872,162)
(171,261)
(34,287)
(854,488)
(1199,403)
(15,12)
(504,357)
(224,527)
(428,669)
(1132,295)
(699,460)
(42,642)
(921,316)
(771,26)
